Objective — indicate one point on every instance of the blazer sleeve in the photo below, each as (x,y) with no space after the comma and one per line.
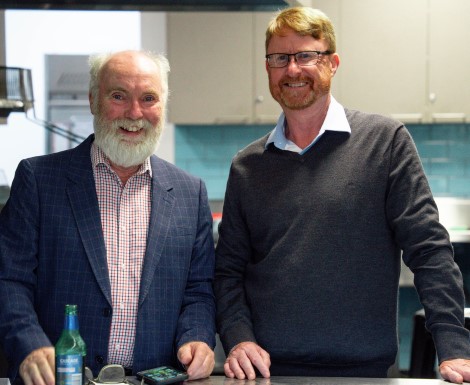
(197,318)
(19,234)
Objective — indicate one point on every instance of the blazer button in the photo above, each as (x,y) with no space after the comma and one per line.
(106,312)
(99,359)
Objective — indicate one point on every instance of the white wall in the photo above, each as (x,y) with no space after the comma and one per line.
(153,38)
(2,38)
(30,35)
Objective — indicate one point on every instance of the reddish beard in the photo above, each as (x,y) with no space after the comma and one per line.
(298,99)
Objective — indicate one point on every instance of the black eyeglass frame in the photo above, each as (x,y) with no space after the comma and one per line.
(319,55)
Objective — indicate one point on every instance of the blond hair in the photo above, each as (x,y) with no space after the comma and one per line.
(305,21)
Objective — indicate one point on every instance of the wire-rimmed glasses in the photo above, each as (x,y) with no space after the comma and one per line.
(304,58)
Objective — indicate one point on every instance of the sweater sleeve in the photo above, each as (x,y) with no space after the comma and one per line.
(232,256)
(427,250)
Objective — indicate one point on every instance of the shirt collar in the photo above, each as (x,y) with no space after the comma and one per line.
(335,120)
(99,157)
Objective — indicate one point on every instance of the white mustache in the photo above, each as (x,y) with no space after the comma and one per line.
(131,125)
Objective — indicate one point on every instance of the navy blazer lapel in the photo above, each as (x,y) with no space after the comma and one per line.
(160,219)
(82,194)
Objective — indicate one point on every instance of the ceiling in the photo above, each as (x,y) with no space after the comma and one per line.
(148,5)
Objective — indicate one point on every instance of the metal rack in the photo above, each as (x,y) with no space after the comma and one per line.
(16,91)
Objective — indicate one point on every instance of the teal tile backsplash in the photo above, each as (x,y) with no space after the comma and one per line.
(445,152)
(206,151)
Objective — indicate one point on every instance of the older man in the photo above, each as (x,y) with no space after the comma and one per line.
(114,229)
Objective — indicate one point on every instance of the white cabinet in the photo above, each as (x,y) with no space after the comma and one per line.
(218,74)
(382,47)
(407,59)
(265,108)
(448,93)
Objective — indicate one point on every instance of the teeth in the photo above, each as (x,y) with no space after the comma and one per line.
(296,84)
(131,128)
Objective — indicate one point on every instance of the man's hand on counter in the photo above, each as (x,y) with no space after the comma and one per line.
(38,367)
(456,371)
(244,358)
(198,358)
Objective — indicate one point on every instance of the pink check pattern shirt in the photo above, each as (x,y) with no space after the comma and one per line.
(125,215)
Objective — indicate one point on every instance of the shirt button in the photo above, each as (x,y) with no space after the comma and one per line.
(117,347)
(99,359)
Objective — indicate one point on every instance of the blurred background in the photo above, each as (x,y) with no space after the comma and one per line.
(406,59)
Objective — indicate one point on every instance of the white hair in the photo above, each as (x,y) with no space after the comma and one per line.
(97,62)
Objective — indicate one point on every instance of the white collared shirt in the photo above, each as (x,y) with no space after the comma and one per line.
(335,120)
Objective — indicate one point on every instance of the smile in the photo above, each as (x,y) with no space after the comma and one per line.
(131,128)
(302,84)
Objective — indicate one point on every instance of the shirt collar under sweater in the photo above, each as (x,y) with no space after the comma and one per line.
(335,120)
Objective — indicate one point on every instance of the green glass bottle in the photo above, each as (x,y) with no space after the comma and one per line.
(70,351)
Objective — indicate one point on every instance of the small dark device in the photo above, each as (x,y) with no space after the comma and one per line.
(162,375)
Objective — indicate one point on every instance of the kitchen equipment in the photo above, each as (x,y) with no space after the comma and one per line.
(454,214)
(4,190)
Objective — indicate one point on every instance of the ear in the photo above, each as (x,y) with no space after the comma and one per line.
(90,99)
(334,62)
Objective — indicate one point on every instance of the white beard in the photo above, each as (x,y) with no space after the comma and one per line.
(124,152)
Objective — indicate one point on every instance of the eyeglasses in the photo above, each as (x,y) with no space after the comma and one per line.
(109,374)
(304,58)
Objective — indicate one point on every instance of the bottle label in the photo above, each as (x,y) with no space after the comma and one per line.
(69,369)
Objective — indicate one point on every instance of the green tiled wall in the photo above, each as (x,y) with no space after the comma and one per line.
(445,152)
(206,151)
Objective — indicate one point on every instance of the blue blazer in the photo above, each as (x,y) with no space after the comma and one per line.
(52,253)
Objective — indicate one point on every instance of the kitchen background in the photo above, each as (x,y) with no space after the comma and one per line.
(404,59)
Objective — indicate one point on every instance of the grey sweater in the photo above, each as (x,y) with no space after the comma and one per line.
(308,258)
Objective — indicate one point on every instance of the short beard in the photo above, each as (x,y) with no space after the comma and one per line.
(123,152)
(299,103)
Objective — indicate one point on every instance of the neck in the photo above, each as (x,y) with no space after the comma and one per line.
(124,173)
(304,126)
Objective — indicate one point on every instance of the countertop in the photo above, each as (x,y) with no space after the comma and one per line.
(221,380)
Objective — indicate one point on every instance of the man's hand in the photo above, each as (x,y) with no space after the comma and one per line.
(198,358)
(243,357)
(456,371)
(38,367)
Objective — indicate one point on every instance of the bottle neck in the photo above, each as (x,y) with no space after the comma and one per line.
(71,322)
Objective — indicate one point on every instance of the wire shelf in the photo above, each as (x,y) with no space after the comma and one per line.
(16,90)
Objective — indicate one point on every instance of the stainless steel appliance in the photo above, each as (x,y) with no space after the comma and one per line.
(454,214)
(4,190)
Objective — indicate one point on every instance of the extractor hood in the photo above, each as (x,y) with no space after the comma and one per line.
(149,5)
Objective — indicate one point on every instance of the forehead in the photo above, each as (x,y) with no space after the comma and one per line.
(289,41)
(131,72)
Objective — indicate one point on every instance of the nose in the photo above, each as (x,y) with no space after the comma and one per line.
(134,110)
(293,66)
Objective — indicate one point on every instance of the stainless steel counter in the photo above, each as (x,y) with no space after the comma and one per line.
(454,214)
(221,380)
